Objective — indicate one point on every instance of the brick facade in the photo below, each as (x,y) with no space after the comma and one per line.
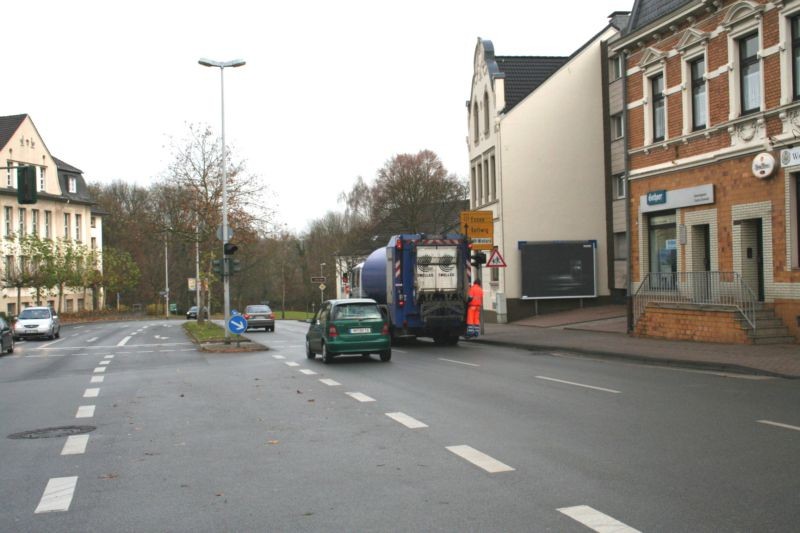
(702,325)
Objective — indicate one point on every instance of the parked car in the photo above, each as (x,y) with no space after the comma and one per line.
(354,326)
(259,316)
(6,337)
(37,322)
(192,312)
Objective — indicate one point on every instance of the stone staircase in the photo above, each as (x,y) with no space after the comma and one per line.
(770,329)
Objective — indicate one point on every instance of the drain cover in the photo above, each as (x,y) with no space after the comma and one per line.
(49,433)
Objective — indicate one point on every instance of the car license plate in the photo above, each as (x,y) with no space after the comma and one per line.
(258,316)
(360,330)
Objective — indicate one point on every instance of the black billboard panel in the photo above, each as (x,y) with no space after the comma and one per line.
(559,269)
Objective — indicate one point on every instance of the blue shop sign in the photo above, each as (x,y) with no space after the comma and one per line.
(656,197)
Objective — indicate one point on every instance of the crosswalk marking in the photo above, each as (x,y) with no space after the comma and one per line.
(57,494)
(595,520)
(480,459)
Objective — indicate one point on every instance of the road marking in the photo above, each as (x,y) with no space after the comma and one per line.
(778,424)
(98,379)
(124,341)
(99,370)
(109,346)
(360,397)
(42,347)
(110,356)
(105,363)
(278,357)
(291,363)
(92,339)
(330,382)
(57,494)
(46,355)
(91,393)
(307,372)
(85,411)
(579,384)
(407,421)
(479,459)
(399,351)
(459,362)
(75,445)
(595,520)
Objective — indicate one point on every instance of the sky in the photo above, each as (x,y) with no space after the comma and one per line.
(331,90)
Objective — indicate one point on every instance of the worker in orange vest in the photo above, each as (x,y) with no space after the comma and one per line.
(474,305)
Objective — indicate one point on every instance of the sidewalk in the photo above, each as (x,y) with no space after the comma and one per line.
(601,332)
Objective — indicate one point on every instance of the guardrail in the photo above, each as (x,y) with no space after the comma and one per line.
(696,288)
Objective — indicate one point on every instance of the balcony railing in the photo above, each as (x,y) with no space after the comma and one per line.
(696,288)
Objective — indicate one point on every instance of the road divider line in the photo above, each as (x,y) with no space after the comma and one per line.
(579,384)
(330,382)
(308,372)
(92,339)
(124,341)
(407,421)
(479,459)
(105,362)
(459,362)
(85,411)
(50,344)
(57,494)
(778,424)
(361,397)
(98,379)
(595,520)
(291,363)
(75,445)
(99,370)
(91,393)
(109,356)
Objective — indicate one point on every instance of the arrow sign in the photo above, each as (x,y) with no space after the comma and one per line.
(237,324)
(495,260)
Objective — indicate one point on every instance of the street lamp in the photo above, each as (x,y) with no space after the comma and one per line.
(222,65)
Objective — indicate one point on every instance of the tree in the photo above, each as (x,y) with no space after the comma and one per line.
(120,272)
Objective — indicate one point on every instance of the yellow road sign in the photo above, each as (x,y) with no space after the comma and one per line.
(478,226)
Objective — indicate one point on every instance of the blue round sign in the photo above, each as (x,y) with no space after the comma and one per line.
(237,324)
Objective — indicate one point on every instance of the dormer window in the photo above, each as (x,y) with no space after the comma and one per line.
(73,185)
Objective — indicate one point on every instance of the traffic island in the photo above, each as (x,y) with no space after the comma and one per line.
(210,337)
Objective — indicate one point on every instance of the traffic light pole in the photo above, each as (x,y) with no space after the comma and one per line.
(226,282)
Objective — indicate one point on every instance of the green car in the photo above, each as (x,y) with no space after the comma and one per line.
(354,326)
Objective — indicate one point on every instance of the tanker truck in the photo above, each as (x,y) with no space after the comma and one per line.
(421,284)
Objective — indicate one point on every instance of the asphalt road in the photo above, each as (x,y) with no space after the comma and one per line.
(467,438)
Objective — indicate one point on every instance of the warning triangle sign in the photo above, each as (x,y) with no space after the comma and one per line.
(495,260)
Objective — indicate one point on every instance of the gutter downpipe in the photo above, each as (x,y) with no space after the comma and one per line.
(626,170)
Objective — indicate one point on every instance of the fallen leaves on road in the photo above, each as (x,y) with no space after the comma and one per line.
(109,476)
(273,441)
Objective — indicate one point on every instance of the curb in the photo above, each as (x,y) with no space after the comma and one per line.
(657,361)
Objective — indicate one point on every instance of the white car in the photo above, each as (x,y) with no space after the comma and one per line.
(37,322)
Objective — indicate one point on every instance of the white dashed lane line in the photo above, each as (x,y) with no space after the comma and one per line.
(124,341)
(99,370)
(109,356)
(479,459)
(579,385)
(291,363)
(595,520)
(75,445)
(85,411)
(330,382)
(98,379)
(778,424)
(278,357)
(92,339)
(91,393)
(105,363)
(407,421)
(459,362)
(307,372)
(361,397)
(57,494)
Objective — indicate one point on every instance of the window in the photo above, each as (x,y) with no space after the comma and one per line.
(9,266)
(479,195)
(93,222)
(486,192)
(486,113)
(22,221)
(66,226)
(750,73)
(78,228)
(94,243)
(616,127)
(475,122)
(73,184)
(657,88)
(35,222)
(795,22)
(699,114)
(42,172)
(615,67)
(620,246)
(48,223)
(8,220)
(473,188)
(493,181)
(11,174)
(11,309)
(620,185)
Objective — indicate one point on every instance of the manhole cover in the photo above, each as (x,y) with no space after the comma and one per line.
(49,433)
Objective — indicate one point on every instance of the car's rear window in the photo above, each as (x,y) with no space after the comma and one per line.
(35,313)
(356,311)
(257,309)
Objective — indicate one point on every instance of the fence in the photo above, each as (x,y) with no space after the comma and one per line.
(696,288)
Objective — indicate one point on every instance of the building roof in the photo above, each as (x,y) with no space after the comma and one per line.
(645,12)
(8,126)
(66,171)
(523,74)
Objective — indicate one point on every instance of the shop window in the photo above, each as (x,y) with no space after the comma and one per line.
(663,252)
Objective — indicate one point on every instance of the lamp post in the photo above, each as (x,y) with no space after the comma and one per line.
(321,289)
(222,65)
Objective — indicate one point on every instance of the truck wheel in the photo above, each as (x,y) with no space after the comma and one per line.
(309,353)
(439,340)
(386,355)
(327,357)
(452,340)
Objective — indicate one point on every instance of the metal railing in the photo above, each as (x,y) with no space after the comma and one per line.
(696,288)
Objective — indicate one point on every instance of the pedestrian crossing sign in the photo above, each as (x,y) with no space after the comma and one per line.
(495,260)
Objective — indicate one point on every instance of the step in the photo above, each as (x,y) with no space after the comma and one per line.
(775,340)
(764,323)
(776,331)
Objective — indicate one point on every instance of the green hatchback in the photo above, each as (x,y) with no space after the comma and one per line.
(354,326)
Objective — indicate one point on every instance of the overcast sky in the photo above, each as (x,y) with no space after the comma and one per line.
(330,91)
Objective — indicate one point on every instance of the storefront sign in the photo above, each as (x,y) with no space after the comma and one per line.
(790,157)
(763,165)
(661,200)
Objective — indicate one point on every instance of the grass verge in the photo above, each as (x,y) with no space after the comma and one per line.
(207,332)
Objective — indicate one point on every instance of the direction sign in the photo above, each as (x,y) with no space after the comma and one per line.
(495,260)
(237,324)
(478,226)
(318,279)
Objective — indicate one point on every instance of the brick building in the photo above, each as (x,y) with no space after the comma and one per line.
(712,127)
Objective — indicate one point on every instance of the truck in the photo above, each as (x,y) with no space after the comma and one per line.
(421,283)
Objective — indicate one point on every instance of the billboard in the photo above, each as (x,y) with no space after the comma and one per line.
(559,269)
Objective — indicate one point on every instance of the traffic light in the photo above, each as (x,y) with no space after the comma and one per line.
(230,248)
(478,259)
(26,185)
(234,266)
(216,265)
